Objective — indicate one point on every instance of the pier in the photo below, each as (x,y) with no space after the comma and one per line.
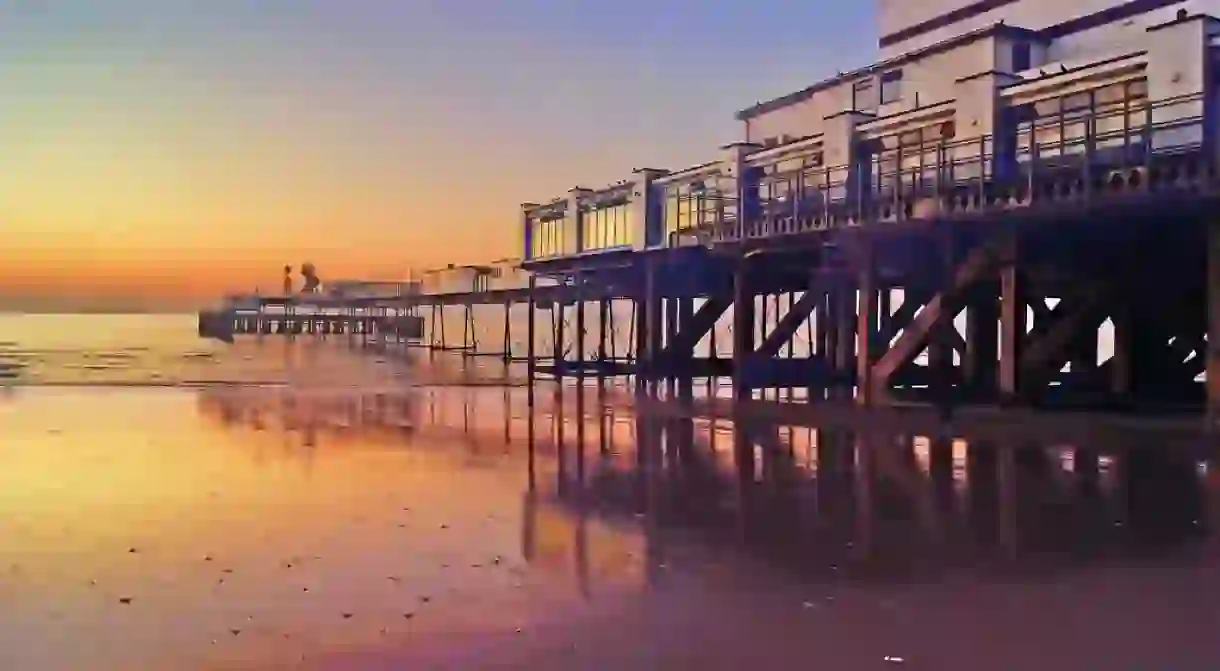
(288,315)
(966,250)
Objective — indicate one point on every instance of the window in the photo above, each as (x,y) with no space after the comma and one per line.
(864,96)
(548,238)
(1078,101)
(672,222)
(1022,56)
(606,226)
(1075,106)
(891,87)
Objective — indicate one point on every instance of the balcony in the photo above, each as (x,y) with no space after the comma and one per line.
(1035,160)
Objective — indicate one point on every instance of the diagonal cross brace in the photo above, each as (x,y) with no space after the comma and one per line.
(894,322)
(1048,352)
(944,305)
(701,322)
(787,326)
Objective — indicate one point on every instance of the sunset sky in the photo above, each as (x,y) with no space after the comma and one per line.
(173,149)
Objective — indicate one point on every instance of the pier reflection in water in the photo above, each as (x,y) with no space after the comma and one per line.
(766,542)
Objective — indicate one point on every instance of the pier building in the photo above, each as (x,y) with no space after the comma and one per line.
(957,223)
(1034,171)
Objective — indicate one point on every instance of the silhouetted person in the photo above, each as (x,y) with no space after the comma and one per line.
(287,280)
(311,279)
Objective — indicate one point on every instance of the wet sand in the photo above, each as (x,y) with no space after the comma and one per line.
(223,529)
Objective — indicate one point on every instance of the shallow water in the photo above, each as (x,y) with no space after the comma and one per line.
(347,518)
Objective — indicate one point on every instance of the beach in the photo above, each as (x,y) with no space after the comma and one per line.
(182,504)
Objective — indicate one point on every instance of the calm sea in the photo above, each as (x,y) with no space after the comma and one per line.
(171,503)
(153,350)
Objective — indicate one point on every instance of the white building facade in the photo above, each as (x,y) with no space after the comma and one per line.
(965,94)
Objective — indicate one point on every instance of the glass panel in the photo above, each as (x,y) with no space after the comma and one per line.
(864,95)
(891,86)
(1022,56)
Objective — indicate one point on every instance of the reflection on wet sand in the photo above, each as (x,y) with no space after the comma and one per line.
(854,549)
(325,528)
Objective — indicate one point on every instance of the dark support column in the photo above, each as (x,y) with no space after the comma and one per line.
(743,329)
(846,345)
(685,373)
(830,333)
(603,318)
(531,335)
(981,362)
(683,432)
(444,341)
(558,312)
(819,339)
(1213,323)
(1122,365)
(531,363)
(507,351)
(866,329)
(671,334)
(656,332)
(580,338)
(743,347)
(643,328)
(940,341)
(1012,323)
(762,323)
(1084,353)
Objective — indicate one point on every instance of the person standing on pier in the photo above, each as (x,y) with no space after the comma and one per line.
(287,280)
(312,282)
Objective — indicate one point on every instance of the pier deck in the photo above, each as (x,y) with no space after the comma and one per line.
(989,291)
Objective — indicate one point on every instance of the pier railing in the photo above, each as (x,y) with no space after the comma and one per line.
(1101,151)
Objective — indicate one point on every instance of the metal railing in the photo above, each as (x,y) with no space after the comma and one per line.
(1075,154)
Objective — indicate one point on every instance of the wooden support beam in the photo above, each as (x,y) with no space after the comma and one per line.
(656,319)
(946,304)
(643,325)
(944,338)
(692,330)
(669,335)
(1049,348)
(686,380)
(531,358)
(787,326)
(913,299)
(580,345)
(1012,325)
(829,324)
(980,360)
(743,329)
(845,326)
(1122,364)
(866,333)
(1213,324)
